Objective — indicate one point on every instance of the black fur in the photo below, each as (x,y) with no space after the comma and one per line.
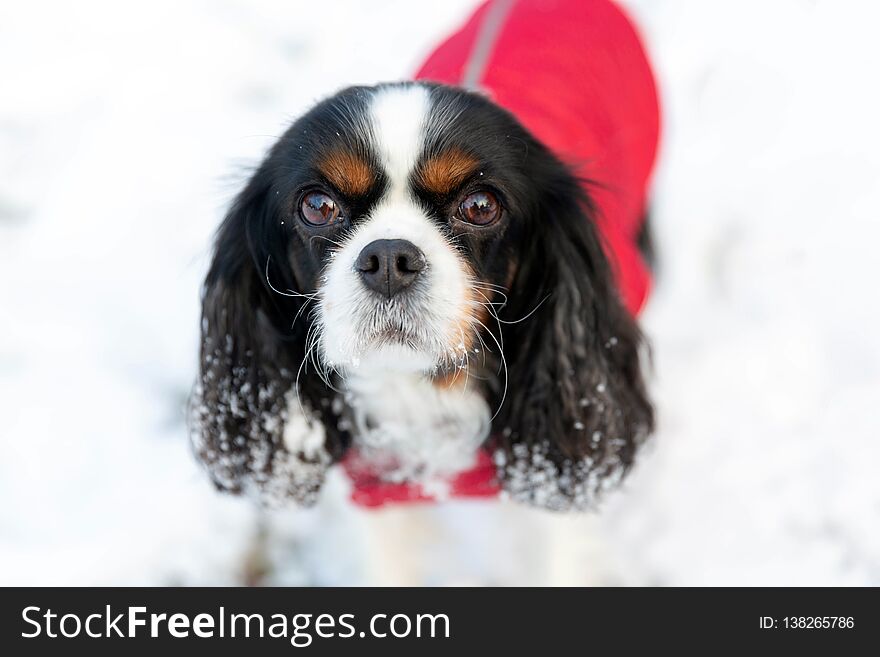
(575,408)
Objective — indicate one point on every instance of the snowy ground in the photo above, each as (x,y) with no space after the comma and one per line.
(125,130)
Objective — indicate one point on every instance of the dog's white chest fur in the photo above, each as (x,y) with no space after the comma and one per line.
(408,429)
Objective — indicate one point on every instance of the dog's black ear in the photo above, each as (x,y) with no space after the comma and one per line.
(576,408)
(250,427)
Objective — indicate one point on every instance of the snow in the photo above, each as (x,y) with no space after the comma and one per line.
(124,132)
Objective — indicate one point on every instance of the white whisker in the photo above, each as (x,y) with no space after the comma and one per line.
(504,365)
(289,293)
(531,312)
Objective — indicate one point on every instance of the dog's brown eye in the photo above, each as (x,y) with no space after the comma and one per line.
(479,208)
(318,209)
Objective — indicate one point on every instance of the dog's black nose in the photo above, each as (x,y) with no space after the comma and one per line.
(388,266)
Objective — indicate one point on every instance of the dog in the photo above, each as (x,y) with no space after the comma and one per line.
(414,283)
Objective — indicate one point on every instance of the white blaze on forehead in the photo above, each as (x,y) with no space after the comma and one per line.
(399,115)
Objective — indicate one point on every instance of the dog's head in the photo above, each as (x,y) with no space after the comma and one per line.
(416,228)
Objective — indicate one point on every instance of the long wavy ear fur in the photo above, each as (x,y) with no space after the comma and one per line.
(577,409)
(249,427)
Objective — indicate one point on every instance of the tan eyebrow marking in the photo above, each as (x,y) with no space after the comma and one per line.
(347,172)
(444,172)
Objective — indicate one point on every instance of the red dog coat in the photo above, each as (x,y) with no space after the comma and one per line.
(575,74)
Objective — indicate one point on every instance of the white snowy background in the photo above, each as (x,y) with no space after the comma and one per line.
(126,128)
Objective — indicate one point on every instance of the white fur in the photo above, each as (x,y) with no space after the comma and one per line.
(348,314)
(398,116)
(302,435)
(416,431)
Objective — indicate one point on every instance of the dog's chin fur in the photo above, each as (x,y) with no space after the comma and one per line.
(411,430)
(390,358)
(512,337)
